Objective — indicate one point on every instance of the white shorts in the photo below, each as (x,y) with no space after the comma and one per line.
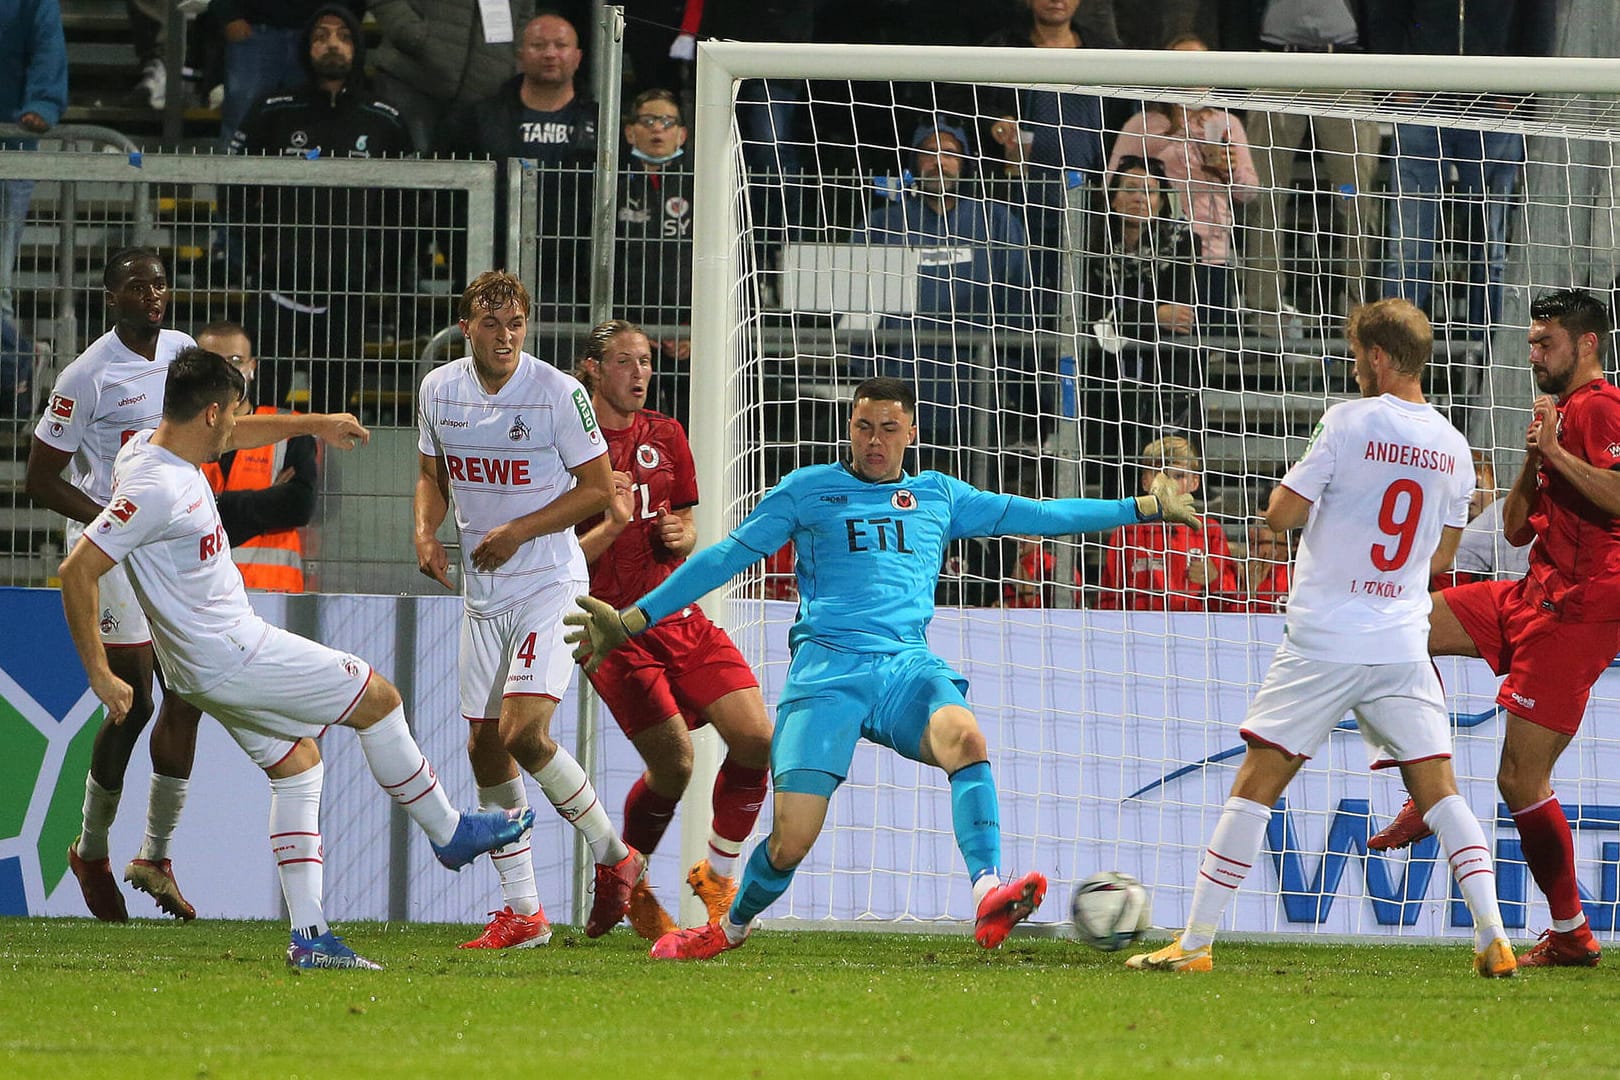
(518,653)
(1400,708)
(292,689)
(122,622)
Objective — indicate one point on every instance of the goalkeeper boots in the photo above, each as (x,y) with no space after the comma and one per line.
(479,831)
(325,951)
(1007,905)
(647,916)
(1173,958)
(613,885)
(155,878)
(1408,827)
(1564,948)
(98,885)
(1497,961)
(700,943)
(509,930)
(715,890)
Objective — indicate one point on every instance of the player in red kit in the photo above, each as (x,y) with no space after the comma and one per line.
(1554,631)
(683,672)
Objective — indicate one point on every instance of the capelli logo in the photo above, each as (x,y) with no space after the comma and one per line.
(1527,702)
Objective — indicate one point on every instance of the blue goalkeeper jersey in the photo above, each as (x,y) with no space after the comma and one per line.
(869,554)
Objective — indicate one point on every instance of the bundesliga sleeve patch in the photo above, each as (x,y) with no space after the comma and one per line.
(119,513)
(61,407)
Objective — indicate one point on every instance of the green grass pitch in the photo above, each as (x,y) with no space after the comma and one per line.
(215,1000)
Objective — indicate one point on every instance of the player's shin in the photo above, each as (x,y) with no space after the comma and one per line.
(976,820)
(295,841)
(1549,851)
(647,815)
(100,807)
(164,802)
(762,885)
(1233,849)
(1463,841)
(739,792)
(400,768)
(513,862)
(574,798)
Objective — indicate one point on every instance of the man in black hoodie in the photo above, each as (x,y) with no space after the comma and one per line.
(320,252)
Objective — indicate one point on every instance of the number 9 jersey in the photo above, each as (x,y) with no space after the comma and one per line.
(1384,477)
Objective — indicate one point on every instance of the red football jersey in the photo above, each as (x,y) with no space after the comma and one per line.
(1146,568)
(654,451)
(1575,563)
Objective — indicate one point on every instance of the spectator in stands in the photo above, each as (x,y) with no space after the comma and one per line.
(1205,153)
(1347,151)
(1159,567)
(1265,575)
(660,44)
(33,95)
(1146,373)
(436,55)
(1483,553)
(653,286)
(1149,26)
(321,254)
(1488,164)
(263,39)
(264,494)
(973,285)
(539,114)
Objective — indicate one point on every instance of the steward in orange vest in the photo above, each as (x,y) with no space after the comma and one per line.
(264,494)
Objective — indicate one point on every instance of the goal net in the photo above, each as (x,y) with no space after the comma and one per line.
(1090,281)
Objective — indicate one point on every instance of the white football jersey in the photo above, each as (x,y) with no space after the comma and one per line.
(506,455)
(100,400)
(1384,477)
(163,525)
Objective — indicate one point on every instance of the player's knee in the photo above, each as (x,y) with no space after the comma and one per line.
(787,850)
(670,775)
(382,695)
(752,748)
(529,744)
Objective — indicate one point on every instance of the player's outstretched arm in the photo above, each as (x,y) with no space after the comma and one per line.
(601,629)
(341,430)
(81,574)
(1165,501)
(1286,509)
(981,513)
(428,508)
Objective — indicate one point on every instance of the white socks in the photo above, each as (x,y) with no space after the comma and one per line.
(100,807)
(982,887)
(1232,851)
(295,841)
(1463,841)
(573,797)
(164,802)
(723,855)
(514,862)
(399,767)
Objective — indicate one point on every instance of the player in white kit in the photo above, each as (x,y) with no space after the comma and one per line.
(111,391)
(1382,491)
(516,441)
(272,690)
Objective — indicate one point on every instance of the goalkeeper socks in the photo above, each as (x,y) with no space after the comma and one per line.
(513,861)
(397,764)
(647,815)
(164,802)
(739,792)
(295,841)
(1549,850)
(976,818)
(1233,849)
(574,799)
(762,884)
(100,807)
(1463,841)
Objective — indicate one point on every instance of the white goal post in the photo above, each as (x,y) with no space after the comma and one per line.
(1112,732)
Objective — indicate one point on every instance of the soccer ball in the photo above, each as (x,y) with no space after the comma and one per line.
(1110,910)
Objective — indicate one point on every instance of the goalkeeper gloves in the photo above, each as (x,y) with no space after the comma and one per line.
(601,629)
(1165,502)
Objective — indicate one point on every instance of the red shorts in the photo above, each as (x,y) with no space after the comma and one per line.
(1550,665)
(679,667)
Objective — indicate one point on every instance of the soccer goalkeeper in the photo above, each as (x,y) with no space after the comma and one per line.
(870,541)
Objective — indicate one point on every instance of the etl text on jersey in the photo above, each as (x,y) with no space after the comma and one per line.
(1416,457)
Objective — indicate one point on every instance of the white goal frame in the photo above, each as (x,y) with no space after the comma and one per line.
(718,228)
